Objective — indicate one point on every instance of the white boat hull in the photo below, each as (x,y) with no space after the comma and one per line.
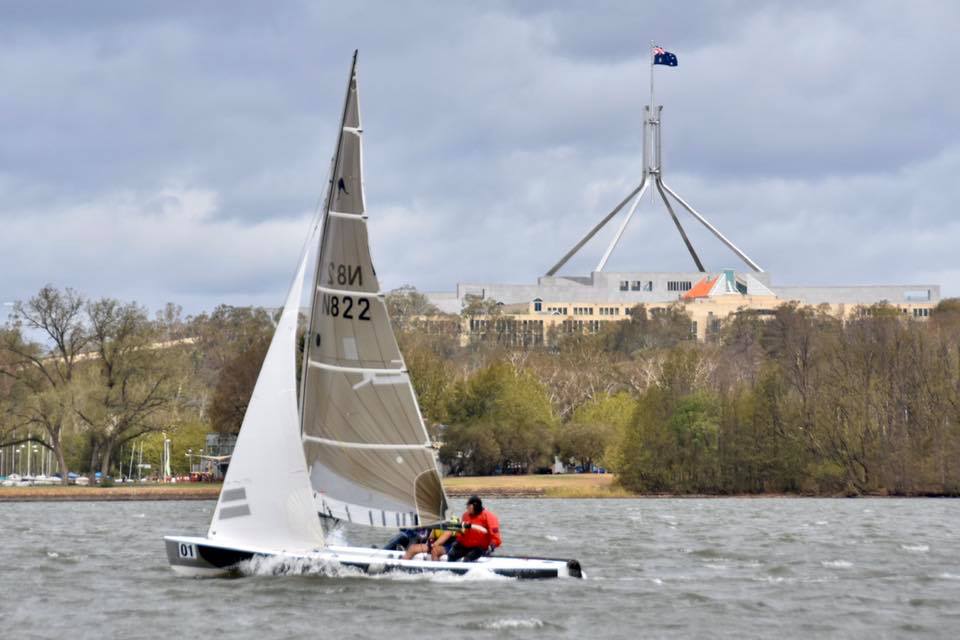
(204,558)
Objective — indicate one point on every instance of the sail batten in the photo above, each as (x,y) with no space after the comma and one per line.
(367,445)
(324,289)
(342,369)
(365,442)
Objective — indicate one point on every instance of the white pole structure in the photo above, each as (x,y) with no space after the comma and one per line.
(653,171)
(753,265)
(623,226)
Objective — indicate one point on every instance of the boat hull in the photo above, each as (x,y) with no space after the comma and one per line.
(204,558)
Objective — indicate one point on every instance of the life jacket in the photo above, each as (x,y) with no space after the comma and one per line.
(475,538)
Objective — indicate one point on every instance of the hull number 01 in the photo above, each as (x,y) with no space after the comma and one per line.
(187,550)
(346,307)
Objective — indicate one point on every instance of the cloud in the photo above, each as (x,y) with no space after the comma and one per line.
(175,151)
(166,245)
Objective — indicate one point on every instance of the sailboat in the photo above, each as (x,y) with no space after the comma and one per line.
(352,445)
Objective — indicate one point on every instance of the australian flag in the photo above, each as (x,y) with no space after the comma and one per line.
(664,57)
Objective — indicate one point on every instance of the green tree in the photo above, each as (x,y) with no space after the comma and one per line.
(515,407)
(596,428)
(42,378)
(127,388)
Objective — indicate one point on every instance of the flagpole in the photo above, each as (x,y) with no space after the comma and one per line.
(650,112)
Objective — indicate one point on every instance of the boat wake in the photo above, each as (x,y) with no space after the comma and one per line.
(278,566)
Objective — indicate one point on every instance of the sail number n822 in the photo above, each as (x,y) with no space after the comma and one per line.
(344,274)
(346,307)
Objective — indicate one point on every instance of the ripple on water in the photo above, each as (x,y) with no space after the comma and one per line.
(837,564)
(915,548)
(504,624)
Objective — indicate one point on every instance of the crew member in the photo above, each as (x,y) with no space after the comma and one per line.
(437,544)
(480,535)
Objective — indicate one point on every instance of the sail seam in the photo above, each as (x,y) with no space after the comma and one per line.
(365,445)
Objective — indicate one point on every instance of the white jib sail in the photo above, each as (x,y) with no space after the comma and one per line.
(266,498)
(367,449)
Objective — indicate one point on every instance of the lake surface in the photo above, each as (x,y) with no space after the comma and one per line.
(770,567)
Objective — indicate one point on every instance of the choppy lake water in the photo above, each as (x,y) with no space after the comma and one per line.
(758,568)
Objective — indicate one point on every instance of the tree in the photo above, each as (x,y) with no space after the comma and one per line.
(655,329)
(127,389)
(230,347)
(514,407)
(427,361)
(234,387)
(405,304)
(471,448)
(43,378)
(478,305)
(596,428)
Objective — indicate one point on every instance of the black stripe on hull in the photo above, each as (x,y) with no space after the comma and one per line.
(207,557)
(464,568)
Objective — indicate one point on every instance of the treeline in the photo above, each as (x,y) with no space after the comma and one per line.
(92,380)
(798,402)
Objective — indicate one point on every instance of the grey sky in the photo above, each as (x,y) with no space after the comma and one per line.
(174,151)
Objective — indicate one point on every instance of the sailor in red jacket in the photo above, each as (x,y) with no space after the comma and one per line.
(481,533)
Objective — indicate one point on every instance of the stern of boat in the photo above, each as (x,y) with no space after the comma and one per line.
(193,557)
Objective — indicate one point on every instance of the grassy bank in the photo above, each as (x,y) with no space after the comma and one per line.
(192,491)
(586,485)
(565,486)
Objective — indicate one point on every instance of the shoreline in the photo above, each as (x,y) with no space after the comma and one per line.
(582,486)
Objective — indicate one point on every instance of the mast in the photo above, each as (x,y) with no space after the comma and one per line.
(367,449)
(334,164)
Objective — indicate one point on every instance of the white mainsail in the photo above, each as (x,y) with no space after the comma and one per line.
(266,499)
(367,449)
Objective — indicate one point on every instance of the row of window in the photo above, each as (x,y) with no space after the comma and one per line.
(583,311)
(609,311)
(636,285)
(506,324)
(581,326)
(647,285)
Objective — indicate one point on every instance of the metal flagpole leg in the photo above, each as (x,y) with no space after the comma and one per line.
(597,228)
(753,265)
(683,234)
(623,225)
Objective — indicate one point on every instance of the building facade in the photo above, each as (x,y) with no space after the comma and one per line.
(561,305)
